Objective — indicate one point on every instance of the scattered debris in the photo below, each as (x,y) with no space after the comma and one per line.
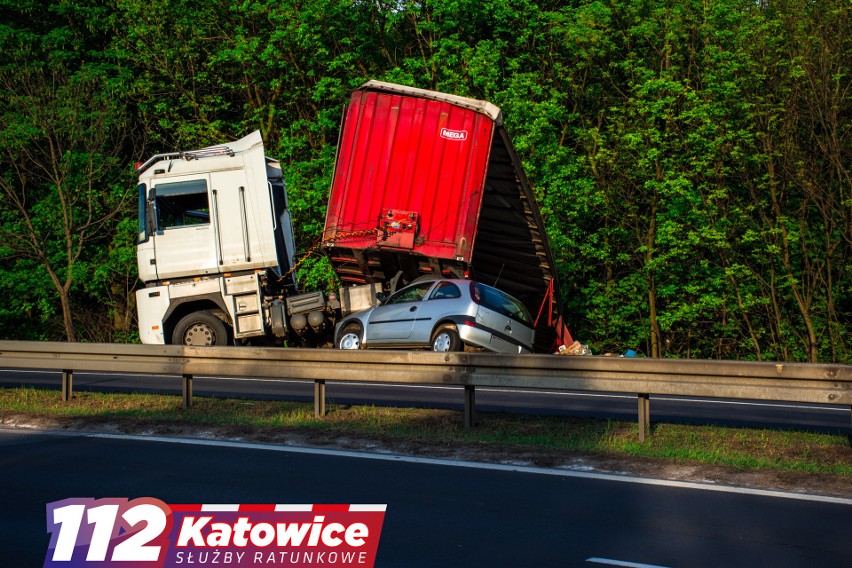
(575,348)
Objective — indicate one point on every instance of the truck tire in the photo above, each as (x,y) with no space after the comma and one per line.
(446,338)
(350,337)
(200,328)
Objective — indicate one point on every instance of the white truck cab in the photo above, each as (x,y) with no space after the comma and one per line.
(216,246)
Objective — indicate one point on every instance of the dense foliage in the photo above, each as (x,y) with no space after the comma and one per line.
(692,157)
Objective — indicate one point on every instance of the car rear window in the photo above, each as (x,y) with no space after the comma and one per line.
(502,303)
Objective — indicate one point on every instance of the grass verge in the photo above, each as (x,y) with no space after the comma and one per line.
(539,439)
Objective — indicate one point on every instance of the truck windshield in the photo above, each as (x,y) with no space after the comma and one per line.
(182,204)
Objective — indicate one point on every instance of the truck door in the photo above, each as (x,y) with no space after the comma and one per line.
(233,202)
(185,242)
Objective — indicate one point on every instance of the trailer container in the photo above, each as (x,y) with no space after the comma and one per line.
(428,184)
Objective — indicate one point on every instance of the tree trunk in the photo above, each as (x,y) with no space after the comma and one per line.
(67,320)
(654,323)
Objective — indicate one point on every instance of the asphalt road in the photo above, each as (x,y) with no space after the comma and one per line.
(821,418)
(438,514)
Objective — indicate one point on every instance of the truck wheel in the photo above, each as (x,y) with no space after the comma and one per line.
(350,337)
(200,328)
(446,338)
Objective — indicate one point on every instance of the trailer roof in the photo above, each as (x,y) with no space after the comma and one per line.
(482,107)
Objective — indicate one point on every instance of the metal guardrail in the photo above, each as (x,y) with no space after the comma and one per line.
(793,382)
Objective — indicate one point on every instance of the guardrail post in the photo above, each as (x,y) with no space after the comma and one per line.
(187,391)
(319,398)
(644,416)
(469,406)
(67,385)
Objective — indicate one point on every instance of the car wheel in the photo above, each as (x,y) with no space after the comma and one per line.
(446,338)
(350,337)
(200,329)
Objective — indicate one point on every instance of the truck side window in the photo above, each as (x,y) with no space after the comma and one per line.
(182,204)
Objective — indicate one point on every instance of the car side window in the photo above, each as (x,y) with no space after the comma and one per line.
(445,291)
(411,294)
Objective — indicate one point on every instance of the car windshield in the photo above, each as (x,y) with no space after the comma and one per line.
(502,303)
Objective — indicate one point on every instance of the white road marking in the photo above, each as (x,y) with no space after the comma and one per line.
(294,508)
(465,464)
(220,507)
(610,562)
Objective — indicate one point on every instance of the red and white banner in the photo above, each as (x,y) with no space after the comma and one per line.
(147,533)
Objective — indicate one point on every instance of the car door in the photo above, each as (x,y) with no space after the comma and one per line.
(507,320)
(445,300)
(500,327)
(393,320)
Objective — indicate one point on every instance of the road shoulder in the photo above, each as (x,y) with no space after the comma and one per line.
(661,469)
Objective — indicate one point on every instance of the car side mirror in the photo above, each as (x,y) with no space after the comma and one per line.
(380,296)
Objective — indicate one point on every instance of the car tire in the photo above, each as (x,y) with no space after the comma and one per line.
(350,337)
(200,329)
(445,339)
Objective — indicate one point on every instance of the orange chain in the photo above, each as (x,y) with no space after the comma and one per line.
(318,244)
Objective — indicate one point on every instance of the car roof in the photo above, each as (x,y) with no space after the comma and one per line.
(457,281)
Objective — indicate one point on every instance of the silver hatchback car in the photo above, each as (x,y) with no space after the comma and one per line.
(443,315)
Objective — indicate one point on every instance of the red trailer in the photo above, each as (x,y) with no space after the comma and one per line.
(429,184)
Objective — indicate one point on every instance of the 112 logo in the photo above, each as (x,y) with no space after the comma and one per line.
(86,531)
(148,533)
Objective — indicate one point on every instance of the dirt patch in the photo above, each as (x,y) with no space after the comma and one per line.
(799,482)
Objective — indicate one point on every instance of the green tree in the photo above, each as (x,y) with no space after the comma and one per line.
(691,158)
(61,136)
